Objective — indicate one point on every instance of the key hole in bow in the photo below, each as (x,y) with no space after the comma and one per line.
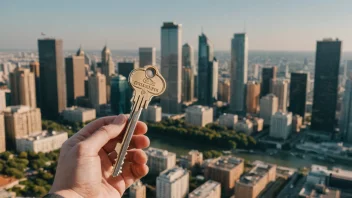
(150,72)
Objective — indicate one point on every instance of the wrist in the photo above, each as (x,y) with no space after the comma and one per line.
(67,193)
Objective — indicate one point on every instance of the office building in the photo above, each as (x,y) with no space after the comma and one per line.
(239,70)
(121,94)
(258,124)
(44,141)
(2,100)
(194,157)
(147,56)
(244,126)
(160,160)
(74,78)
(253,182)
(138,190)
(52,77)
(35,69)
(298,93)
(348,70)
(225,170)
(172,183)
(107,68)
(78,114)
(228,120)
(21,121)
(207,72)
(125,68)
(296,123)
(281,125)
(97,93)
(87,60)
(199,115)
(210,189)
(187,56)
(255,71)
(23,87)
(279,88)
(269,105)
(187,84)
(2,133)
(171,67)
(224,91)
(346,113)
(327,63)
(268,74)
(153,113)
(253,96)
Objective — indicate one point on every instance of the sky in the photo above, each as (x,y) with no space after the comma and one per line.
(290,25)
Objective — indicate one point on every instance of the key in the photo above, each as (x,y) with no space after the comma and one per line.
(146,83)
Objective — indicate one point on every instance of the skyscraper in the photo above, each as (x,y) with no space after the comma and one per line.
(253,95)
(23,87)
(268,74)
(239,67)
(348,71)
(35,68)
(298,93)
(224,90)
(187,84)
(125,68)
(97,93)
(52,77)
(327,63)
(121,94)
(146,56)
(2,133)
(207,72)
(346,114)
(188,56)
(2,100)
(75,76)
(281,125)
(171,66)
(107,68)
(268,107)
(172,183)
(280,89)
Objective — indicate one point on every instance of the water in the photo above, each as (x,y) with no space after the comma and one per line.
(281,159)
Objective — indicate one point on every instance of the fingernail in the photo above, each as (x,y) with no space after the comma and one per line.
(120,119)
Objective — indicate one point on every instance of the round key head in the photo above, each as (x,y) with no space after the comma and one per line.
(147,80)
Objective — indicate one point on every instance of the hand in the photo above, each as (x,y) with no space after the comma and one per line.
(86,160)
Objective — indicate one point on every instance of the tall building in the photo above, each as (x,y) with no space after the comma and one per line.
(346,113)
(188,56)
(224,91)
(207,72)
(239,67)
(35,69)
(199,115)
(187,84)
(298,93)
(225,170)
(194,157)
(269,105)
(228,120)
(281,125)
(52,77)
(2,134)
(160,160)
(253,95)
(97,93)
(107,68)
(253,182)
(147,56)
(121,94)
(279,88)
(245,126)
(78,114)
(172,183)
(74,78)
(21,121)
(210,189)
(2,100)
(327,63)
(125,68)
(153,113)
(171,67)
(255,71)
(268,74)
(138,190)
(23,87)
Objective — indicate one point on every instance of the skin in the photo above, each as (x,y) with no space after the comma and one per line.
(86,160)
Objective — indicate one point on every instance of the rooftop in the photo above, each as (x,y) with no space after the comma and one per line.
(204,190)
(17,109)
(258,172)
(5,180)
(158,152)
(198,108)
(42,135)
(226,162)
(76,108)
(172,174)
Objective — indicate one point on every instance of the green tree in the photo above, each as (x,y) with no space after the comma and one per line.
(23,155)
(13,172)
(5,155)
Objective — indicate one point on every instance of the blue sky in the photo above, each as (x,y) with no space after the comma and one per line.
(271,25)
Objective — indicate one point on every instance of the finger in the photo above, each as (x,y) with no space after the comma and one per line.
(136,156)
(141,128)
(102,136)
(137,141)
(95,125)
(106,164)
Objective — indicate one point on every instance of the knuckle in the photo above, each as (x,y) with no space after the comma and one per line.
(82,148)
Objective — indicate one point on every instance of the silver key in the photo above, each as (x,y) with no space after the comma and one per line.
(146,83)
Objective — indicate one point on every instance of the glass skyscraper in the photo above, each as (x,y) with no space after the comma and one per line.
(121,94)
(298,93)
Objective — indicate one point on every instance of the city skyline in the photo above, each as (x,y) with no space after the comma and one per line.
(270,25)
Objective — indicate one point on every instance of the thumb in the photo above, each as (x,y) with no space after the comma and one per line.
(98,139)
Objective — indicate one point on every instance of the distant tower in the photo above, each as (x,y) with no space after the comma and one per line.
(268,74)
(239,67)
(253,95)
(121,94)
(34,67)
(346,114)
(187,84)
(23,87)
(280,89)
(147,56)
(107,68)
(268,107)
(327,65)
(125,68)
(171,67)
(75,75)
(97,90)
(188,62)
(298,93)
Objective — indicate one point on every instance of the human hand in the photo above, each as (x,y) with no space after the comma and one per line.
(86,160)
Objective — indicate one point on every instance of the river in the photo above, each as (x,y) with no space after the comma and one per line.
(281,159)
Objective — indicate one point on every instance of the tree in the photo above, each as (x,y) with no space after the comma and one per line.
(13,172)
(5,155)
(23,155)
